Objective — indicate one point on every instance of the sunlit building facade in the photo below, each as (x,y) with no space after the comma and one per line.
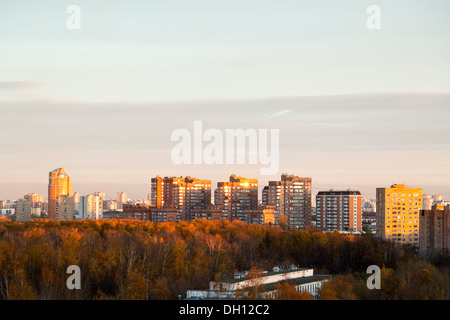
(398,209)
(90,207)
(122,197)
(263,215)
(236,196)
(102,195)
(292,198)
(167,191)
(59,185)
(186,193)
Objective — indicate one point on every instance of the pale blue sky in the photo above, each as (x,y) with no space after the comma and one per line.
(162,64)
(177,50)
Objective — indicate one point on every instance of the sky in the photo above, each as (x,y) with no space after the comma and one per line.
(355,108)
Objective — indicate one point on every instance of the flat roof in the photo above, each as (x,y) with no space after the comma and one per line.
(304,280)
(339,193)
(268,273)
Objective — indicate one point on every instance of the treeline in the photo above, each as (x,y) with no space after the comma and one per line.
(128,259)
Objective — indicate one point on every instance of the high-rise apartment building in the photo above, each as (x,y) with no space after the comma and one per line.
(76,201)
(313,201)
(167,191)
(264,195)
(197,196)
(369,206)
(102,195)
(187,193)
(427,202)
(434,226)
(236,196)
(65,208)
(58,185)
(398,209)
(339,210)
(291,197)
(122,197)
(110,205)
(91,207)
(38,204)
(23,210)
(34,197)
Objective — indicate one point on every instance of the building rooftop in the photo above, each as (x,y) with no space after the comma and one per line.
(339,193)
(264,274)
(298,281)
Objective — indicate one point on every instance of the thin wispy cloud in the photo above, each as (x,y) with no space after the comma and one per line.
(18,85)
(351,140)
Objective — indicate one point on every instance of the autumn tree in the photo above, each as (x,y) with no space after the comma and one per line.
(254,288)
(286,291)
(339,288)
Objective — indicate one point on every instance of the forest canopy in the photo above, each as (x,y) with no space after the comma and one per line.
(130,259)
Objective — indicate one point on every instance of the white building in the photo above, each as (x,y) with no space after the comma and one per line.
(91,207)
(427,202)
(303,280)
(8,212)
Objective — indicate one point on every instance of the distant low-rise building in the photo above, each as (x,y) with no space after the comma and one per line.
(151,213)
(8,212)
(369,221)
(212,212)
(138,212)
(166,214)
(303,279)
(263,215)
(112,214)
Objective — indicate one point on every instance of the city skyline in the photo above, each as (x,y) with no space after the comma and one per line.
(111,193)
